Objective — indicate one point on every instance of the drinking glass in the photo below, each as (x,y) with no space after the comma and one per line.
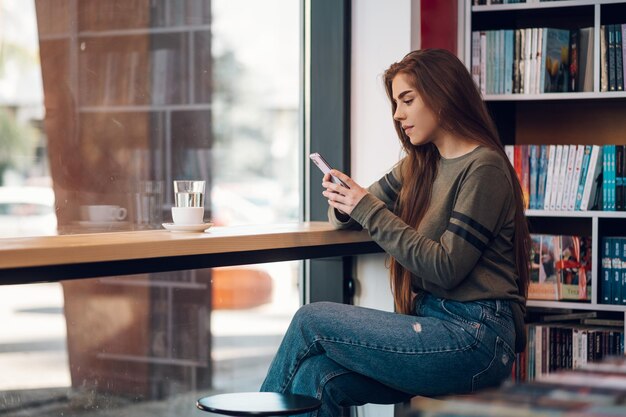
(189,193)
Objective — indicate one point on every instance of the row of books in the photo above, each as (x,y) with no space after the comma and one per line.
(156,77)
(560,267)
(556,346)
(612,51)
(564,177)
(532,60)
(613,271)
(593,390)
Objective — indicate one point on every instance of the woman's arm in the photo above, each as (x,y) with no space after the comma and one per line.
(482,197)
(385,189)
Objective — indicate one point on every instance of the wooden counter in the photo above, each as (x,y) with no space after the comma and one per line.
(55,258)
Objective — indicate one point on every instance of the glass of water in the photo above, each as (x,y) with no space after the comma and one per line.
(189,193)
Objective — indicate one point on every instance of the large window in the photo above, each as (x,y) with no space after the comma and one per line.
(103,103)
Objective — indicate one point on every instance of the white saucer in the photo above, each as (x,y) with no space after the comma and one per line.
(187,227)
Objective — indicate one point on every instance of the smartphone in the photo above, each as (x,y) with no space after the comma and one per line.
(325,167)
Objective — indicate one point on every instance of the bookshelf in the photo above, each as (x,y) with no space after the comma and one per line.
(589,117)
(128,89)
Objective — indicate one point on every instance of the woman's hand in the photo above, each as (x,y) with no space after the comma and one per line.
(340,197)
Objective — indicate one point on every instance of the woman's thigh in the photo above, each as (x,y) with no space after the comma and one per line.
(428,355)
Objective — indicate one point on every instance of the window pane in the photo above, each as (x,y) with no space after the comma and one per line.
(103,104)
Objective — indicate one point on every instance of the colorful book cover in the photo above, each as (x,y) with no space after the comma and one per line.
(556,51)
(574,268)
(543,279)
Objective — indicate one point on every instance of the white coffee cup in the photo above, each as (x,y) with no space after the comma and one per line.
(188,215)
(103,213)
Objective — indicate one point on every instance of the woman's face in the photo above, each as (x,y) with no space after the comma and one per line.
(418,121)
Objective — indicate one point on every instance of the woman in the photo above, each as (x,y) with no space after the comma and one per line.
(450,215)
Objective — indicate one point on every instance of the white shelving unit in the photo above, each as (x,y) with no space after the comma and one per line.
(507,16)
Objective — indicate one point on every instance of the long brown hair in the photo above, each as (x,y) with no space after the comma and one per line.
(447,88)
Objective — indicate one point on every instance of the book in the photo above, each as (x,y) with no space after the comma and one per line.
(619,63)
(578,162)
(605,272)
(562,177)
(585,59)
(593,180)
(549,176)
(604,70)
(556,51)
(556,175)
(543,278)
(583,176)
(610,44)
(573,59)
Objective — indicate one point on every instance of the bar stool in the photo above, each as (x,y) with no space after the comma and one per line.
(258,404)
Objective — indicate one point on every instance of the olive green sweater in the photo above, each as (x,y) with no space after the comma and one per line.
(463,249)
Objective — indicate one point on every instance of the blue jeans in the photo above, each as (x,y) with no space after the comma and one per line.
(347,355)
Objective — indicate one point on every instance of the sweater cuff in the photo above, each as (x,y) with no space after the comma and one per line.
(365,208)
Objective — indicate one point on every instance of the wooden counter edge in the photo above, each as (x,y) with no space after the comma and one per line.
(101,247)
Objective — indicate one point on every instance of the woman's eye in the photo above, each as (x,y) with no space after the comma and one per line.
(408,102)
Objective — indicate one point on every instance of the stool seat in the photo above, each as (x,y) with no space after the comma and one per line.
(258,404)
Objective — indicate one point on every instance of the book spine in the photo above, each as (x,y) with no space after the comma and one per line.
(476,58)
(508,61)
(580,153)
(538,88)
(610,32)
(533,159)
(622,257)
(549,176)
(516,62)
(619,165)
(483,63)
(592,182)
(583,177)
(574,41)
(619,63)
(605,271)
(562,175)
(571,160)
(616,272)
(622,37)
(604,71)
(557,174)
(605,177)
(543,172)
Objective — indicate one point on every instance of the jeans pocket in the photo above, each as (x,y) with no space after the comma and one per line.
(468,313)
(498,369)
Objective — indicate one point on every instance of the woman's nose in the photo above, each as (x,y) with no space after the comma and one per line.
(398,115)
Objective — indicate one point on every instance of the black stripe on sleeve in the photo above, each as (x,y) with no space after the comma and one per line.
(384,185)
(473,223)
(457,230)
(395,184)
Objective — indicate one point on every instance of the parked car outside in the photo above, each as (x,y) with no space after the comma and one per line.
(27,211)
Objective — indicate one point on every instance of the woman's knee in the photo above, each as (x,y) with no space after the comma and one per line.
(312,313)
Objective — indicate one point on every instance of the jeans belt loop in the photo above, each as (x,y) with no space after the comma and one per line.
(498,307)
